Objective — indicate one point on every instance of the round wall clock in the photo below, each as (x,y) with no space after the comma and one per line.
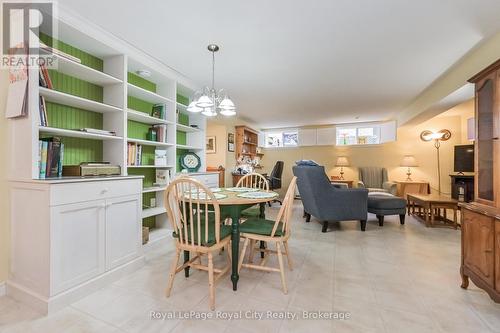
(190,161)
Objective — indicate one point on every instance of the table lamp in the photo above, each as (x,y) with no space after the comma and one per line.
(342,162)
(409,161)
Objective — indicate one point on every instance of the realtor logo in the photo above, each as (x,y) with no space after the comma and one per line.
(22,23)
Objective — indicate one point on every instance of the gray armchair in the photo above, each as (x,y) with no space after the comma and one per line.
(327,202)
(375,180)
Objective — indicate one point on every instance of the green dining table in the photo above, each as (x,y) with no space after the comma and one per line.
(232,206)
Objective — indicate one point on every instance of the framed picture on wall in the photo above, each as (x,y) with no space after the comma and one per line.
(210,144)
(230,142)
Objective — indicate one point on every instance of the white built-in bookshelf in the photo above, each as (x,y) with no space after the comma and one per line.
(118,58)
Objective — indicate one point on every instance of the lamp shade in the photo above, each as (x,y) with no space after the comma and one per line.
(342,161)
(409,161)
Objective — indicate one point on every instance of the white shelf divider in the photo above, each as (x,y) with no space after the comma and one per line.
(146,95)
(145,118)
(148,212)
(188,147)
(188,129)
(83,72)
(150,143)
(150,166)
(58,97)
(76,134)
(153,189)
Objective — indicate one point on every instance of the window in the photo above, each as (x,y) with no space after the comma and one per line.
(358,135)
(288,138)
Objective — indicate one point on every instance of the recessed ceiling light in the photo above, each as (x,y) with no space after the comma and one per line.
(143,73)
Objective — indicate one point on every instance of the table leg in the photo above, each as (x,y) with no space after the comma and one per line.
(235,247)
(262,216)
(432,215)
(186,259)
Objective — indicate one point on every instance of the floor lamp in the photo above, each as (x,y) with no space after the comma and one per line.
(439,136)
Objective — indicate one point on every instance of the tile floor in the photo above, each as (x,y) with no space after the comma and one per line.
(390,279)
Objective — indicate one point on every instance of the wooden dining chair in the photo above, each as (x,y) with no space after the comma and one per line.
(277,232)
(253,180)
(194,214)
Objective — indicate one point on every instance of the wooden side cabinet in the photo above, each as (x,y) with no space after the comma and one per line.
(481,250)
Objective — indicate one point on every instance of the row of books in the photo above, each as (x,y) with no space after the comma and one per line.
(50,157)
(157,133)
(44,77)
(134,154)
(42,108)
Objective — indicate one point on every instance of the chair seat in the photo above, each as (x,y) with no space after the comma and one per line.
(386,202)
(251,212)
(260,227)
(225,230)
(373,189)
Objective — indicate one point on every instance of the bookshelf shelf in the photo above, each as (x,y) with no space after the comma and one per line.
(148,212)
(188,129)
(146,95)
(182,106)
(150,143)
(150,166)
(83,72)
(76,134)
(58,97)
(153,189)
(188,147)
(145,118)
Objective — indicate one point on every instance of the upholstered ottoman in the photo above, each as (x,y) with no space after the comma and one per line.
(382,204)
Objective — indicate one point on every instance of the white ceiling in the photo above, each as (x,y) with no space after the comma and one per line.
(292,63)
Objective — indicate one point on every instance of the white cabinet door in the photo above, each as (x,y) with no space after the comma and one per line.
(307,136)
(123,230)
(77,243)
(325,136)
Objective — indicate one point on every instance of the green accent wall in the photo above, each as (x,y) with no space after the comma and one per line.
(182,99)
(138,81)
(139,105)
(86,58)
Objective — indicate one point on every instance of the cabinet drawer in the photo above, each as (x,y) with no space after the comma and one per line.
(61,194)
(209,180)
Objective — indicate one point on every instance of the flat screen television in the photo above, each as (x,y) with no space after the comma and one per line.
(464,158)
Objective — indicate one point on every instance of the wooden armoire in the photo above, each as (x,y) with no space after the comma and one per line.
(481,218)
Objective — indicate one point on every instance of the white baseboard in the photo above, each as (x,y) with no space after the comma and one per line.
(50,305)
(3,289)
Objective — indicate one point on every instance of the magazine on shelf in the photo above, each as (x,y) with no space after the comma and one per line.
(97,131)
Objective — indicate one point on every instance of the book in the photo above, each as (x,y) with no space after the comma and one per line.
(158,111)
(138,156)
(43,112)
(162,177)
(61,159)
(160,157)
(46,76)
(53,156)
(43,159)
